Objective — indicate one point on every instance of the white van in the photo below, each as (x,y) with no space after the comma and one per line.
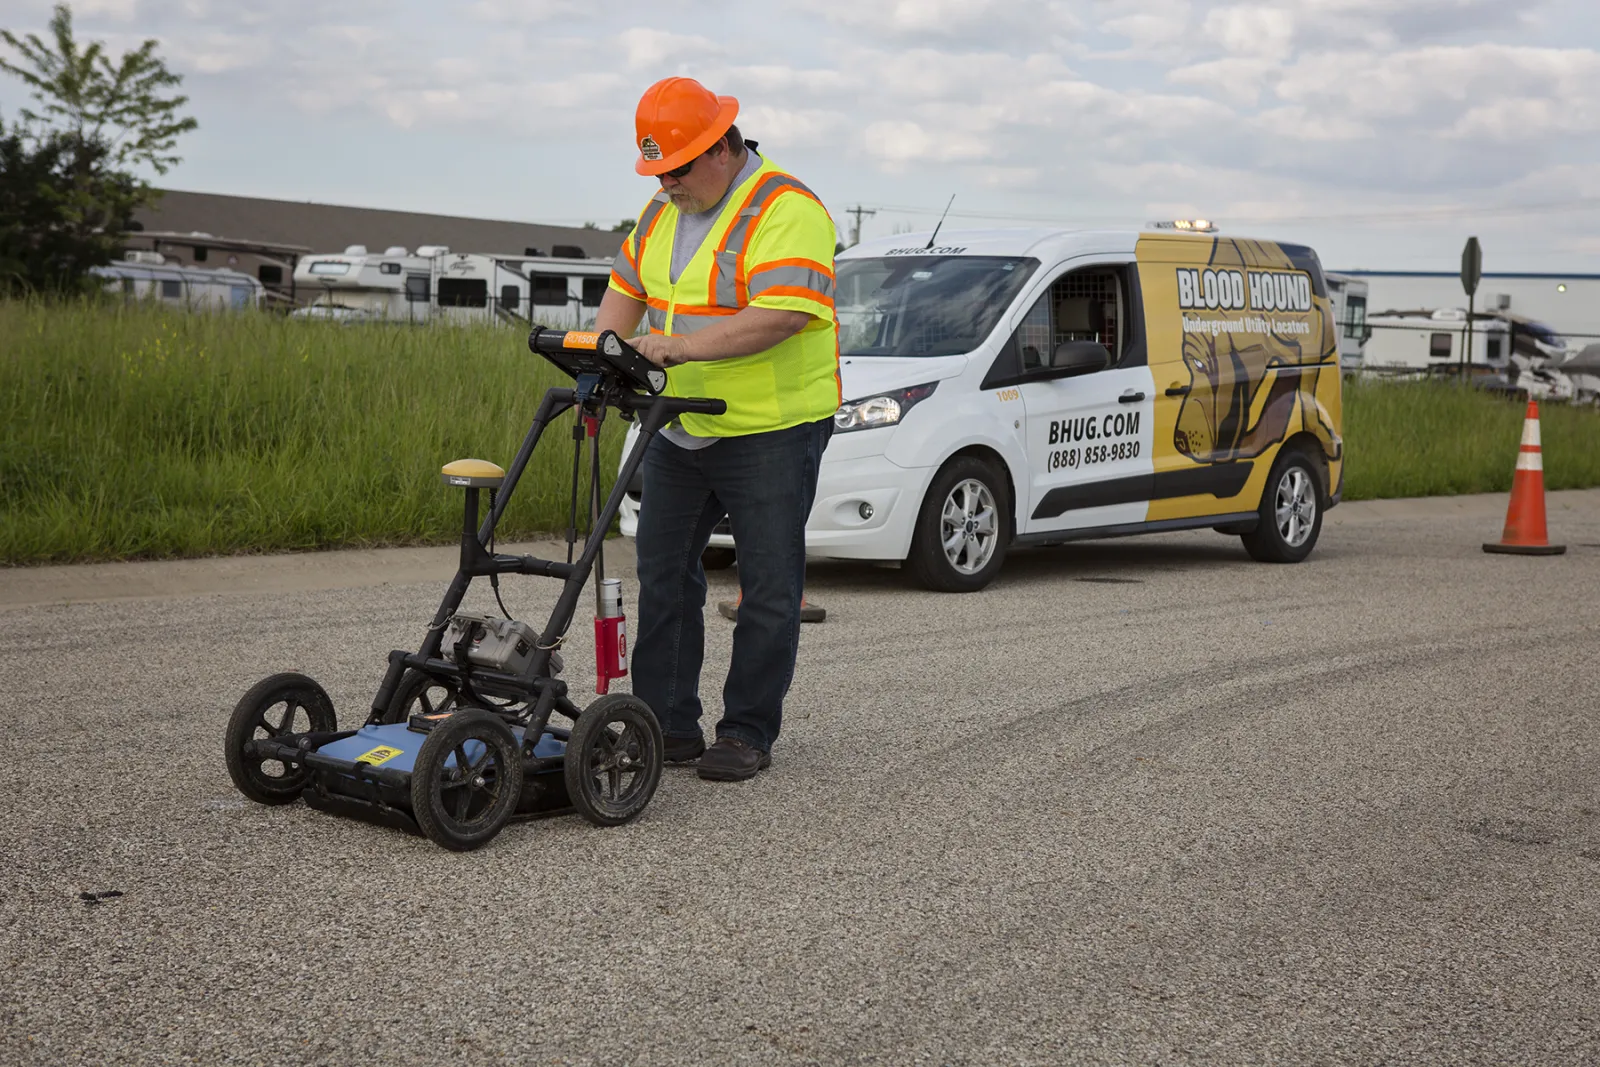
(1013,387)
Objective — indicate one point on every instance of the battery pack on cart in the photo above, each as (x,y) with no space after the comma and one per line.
(497,644)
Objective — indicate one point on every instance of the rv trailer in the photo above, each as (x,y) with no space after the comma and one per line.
(145,275)
(542,290)
(1430,342)
(435,284)
(1348,296)
(357,286)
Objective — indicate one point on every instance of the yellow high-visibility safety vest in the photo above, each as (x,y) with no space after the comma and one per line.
(771,247)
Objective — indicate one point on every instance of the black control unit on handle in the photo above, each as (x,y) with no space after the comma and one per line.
(605,354)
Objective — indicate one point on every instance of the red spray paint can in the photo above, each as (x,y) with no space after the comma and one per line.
(610,637)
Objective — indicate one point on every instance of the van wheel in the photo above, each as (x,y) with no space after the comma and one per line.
(963,529)
(1291,512)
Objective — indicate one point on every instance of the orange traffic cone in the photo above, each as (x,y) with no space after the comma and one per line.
(1525,532)
(729,609)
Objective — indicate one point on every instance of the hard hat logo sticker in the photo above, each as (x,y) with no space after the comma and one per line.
(649,149)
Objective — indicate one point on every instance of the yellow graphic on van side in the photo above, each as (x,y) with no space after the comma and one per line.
(1248,349)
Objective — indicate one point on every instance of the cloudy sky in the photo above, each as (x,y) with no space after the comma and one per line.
(1381,131)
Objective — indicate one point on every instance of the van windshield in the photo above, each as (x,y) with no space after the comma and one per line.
(923,305)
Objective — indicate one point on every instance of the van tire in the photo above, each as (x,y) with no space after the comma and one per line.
(1294,489)
(965,485)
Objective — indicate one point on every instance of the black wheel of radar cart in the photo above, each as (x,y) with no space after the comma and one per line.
(1291,511)
(466,781)
(963,530)
(715,558)
(613,760)
(274,707)
(419,694)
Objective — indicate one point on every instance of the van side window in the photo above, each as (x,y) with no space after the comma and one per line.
(1083,305)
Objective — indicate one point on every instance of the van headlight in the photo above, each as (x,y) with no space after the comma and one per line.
(884,409)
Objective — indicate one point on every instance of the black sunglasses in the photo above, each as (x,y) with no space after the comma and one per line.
(679,172)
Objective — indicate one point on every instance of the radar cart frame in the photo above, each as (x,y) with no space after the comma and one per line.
(458,739)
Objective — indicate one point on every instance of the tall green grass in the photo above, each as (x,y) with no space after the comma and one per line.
(1433,438)
(132,431)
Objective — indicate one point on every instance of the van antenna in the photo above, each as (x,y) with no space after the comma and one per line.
(941,223)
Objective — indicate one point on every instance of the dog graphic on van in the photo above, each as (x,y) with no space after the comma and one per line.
(1268,332)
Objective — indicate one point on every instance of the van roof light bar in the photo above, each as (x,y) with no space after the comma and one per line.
(1186,225)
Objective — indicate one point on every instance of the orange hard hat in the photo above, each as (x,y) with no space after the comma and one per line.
(678,118)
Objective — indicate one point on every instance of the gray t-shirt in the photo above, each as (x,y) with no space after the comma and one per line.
(691,233)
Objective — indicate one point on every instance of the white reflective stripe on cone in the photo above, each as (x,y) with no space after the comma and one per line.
(1530,461)
(1530,432)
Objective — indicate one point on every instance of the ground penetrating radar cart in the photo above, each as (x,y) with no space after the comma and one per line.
(459,738)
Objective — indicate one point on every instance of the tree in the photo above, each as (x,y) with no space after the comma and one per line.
(87,97)
(625,226)
(54,223)
(67,191)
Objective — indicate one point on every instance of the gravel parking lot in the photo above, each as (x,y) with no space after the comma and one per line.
(1140,801)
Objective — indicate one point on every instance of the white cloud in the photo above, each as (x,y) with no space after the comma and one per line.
(1239,80)
(524,12)
(1277,109)
(643,47)
(1250,29)
(963,23)
(120,10)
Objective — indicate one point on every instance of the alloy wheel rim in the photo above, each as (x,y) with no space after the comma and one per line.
(969,526)
(1296,507)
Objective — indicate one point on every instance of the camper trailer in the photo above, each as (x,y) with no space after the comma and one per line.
(1428,342)
(452,287)
(356,285)
(1349,299)
(147,276)
(563,292)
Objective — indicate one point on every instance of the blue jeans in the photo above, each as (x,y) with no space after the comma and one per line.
(764,483)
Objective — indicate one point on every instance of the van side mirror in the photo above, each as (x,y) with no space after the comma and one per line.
(1076,357)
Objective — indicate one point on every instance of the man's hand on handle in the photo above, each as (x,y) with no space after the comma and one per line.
(662,350)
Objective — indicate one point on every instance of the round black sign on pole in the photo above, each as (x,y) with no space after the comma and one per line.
(1471,272)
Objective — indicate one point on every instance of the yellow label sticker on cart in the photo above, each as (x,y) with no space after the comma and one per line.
(381,754)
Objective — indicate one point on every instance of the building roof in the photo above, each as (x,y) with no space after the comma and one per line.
(331,228)
(227,244)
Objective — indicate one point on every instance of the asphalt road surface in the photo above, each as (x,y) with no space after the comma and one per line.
(1141,801)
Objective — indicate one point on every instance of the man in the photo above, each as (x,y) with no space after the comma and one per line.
(732,263)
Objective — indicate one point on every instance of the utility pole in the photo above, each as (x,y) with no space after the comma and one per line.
(855,230)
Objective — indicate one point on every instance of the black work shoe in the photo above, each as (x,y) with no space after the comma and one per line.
(731,760)
(682,749)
